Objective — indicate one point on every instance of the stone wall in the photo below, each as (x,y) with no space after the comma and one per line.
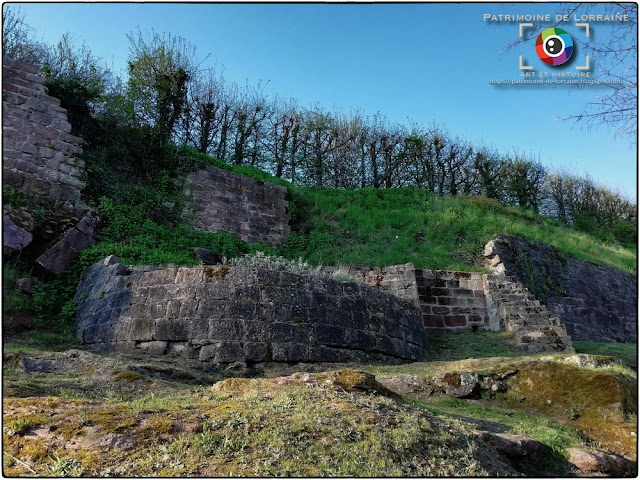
(452,301)
(38,151)
(399,280)
(227,314)
(595,302)
(229,202)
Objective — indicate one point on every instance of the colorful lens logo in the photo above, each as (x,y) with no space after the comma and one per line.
(554,46)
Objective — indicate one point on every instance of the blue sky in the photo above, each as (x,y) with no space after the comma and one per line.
(427,62)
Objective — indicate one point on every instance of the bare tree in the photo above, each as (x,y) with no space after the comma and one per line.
(560,196)
(614,54)
(374,148)
(228,112)
(206,110)
(320,138)
(251,111)
(18,42)
(282,137)
(343,163)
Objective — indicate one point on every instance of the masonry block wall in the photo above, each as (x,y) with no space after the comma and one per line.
(227,314)
(400,280)
(448,301)
(595,302)
(452,301)
(229,202)
(38,151)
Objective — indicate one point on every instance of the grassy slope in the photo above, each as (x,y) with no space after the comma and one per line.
(386,227)
(288,434)
(183,429)
(55,422)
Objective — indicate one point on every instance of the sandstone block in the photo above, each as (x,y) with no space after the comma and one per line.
(60,256)
(154,347)
(14,238)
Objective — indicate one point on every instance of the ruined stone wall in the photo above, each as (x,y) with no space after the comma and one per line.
(228,314)
(452,301)
(38,151)
(399,280)
(595,302)
(229,202)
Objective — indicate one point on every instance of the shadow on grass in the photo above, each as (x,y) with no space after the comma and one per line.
(463,346)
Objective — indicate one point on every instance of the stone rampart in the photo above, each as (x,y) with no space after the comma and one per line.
(594,302)
(229,202)
(38,150)
(227,314)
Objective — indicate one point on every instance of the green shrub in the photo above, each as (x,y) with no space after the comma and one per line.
(156,244)
(625,233)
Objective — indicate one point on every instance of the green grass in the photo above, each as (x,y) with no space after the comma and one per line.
(553,435)
(394,226)
(13,300)
(201,159)
(461,346)
(627,352)
(40,341)
(295,431)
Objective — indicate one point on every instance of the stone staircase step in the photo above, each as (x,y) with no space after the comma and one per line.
(535,329)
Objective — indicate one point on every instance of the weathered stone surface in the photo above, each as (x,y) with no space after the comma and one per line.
(512,445)
(344,380)
(408,385)
(220,200)
(458,384)
(43,366)
(14,238)
(513,308)
(35,129)
(452,301)
(25,285)
(397,279)
(155,347)
(234,314)
(61,255)
(594,302)
(591,463)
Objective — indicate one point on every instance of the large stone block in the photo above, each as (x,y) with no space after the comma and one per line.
(175,330)
(225,329)
(332,335)
(289,352)
(59,257)
(14,238)
(222,352)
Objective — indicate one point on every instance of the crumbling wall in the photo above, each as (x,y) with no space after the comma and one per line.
(38,150)
(225,201)
(228,314)
(399,280)
(595,302)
